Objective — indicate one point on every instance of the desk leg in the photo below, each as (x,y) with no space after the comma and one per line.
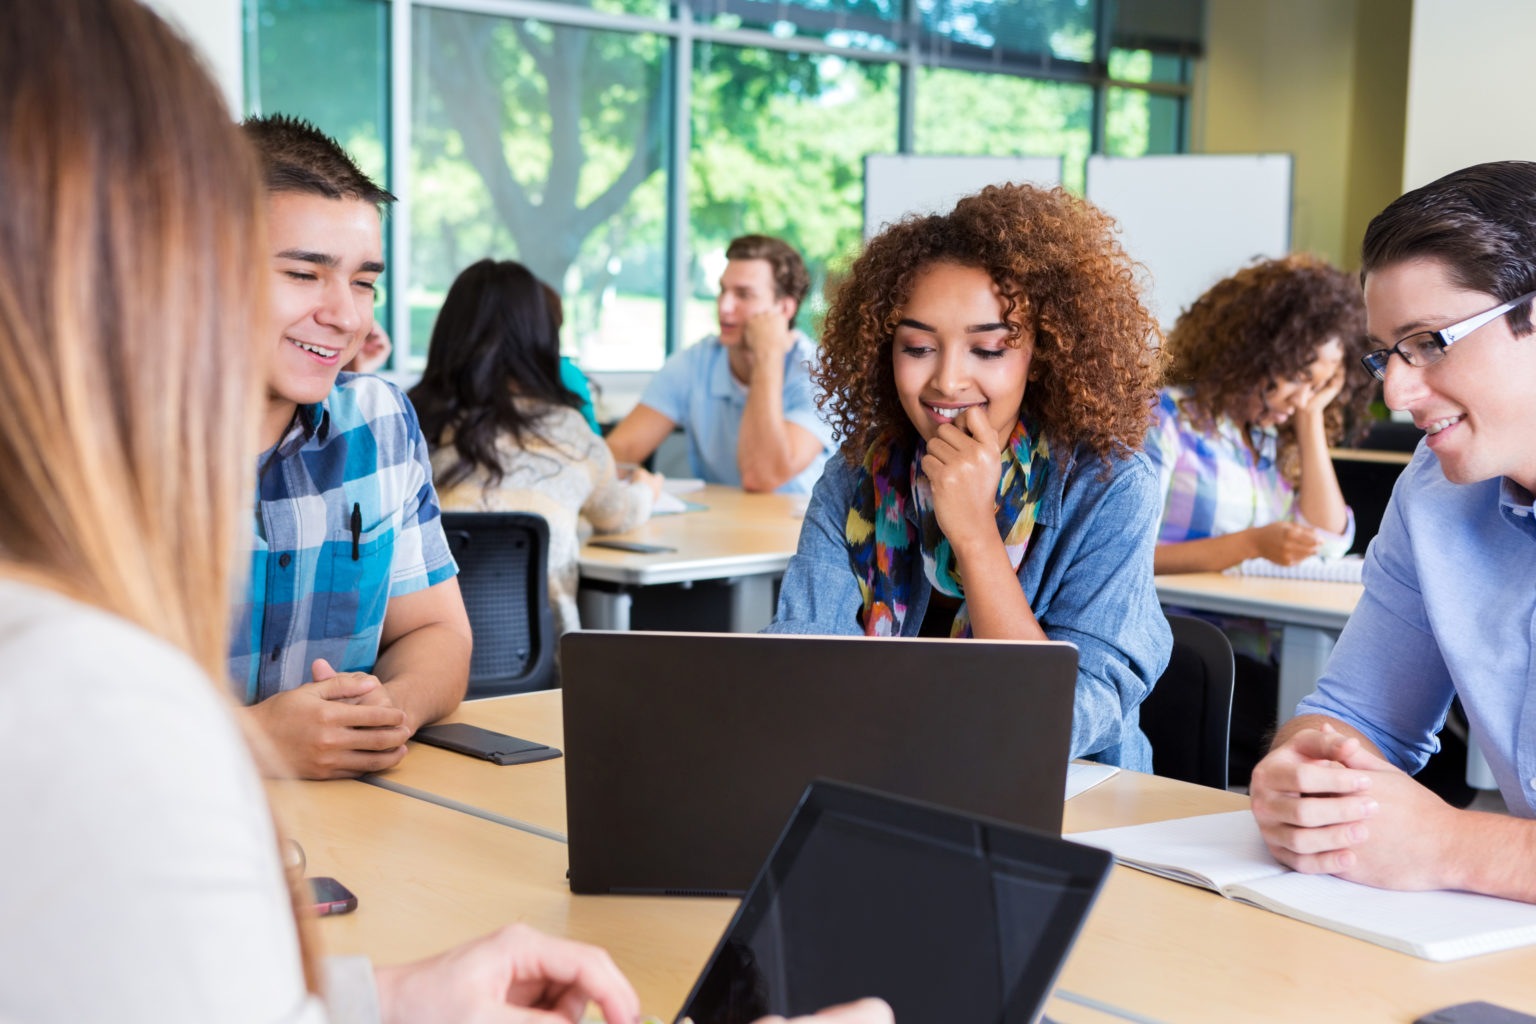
(751,603)
(1304,651)
(604,609)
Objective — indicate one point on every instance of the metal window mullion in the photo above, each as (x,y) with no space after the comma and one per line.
(400,180)
(679,243)
(906,124)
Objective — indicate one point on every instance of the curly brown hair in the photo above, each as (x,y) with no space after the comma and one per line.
(1063,276)
(1265,324)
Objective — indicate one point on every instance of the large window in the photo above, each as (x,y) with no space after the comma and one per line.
(763,161)
(545,144)
(616,146)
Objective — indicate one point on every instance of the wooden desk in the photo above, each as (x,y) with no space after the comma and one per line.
(744,537)
(428,877)
(1310,616)
(526,796)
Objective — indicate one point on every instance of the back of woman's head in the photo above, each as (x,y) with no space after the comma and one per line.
(495,341)
(1266,323)
(1480,222)
(1063,277)
(129,238)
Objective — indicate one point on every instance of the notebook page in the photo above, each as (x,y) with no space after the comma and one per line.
(667,504)
(1433,925)
(1083,777)
(1213,850)
(1323,570)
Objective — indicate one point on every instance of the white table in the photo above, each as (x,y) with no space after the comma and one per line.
(1310,616)
(744,538)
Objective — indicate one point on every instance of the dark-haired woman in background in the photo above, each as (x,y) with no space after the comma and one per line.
(507,434)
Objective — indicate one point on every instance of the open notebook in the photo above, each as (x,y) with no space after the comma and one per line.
(1324,570)
(1226,854)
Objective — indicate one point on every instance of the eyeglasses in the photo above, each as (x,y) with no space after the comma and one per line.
(1428,347)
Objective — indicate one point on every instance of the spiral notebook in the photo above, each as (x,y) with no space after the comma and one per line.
(1323,570)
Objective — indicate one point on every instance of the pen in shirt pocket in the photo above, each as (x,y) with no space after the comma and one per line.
(357,529)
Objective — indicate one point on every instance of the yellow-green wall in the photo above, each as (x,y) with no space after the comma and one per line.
(1323,80)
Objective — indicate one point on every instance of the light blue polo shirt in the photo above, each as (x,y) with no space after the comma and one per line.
(695,390)
(1449,610)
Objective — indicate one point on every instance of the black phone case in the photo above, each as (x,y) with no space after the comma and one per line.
(1475,1013)
(632,546)
(496,747)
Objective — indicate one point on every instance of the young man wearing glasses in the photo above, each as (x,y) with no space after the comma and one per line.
(1450,581)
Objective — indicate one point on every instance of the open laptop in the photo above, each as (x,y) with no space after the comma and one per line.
(946,916)
(685,753)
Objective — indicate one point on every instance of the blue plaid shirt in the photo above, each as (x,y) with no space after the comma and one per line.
(346,519)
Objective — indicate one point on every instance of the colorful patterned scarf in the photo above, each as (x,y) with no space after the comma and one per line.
(881,540)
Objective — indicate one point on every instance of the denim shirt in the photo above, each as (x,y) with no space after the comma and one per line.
(1087,575)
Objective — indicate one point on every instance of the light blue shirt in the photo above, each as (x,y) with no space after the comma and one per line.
(1087,574)
(1449,610)
(695,390)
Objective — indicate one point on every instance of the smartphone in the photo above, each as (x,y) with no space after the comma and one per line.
(1475,1013)
(331,897)
(496,747)
(630,545)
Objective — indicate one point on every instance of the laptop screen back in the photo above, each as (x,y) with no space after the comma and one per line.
(945,916)
(685,753)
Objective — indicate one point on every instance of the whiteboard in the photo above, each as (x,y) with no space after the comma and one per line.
(898,184)
(1194,219)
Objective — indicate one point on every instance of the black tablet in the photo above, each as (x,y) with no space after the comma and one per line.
(946,916)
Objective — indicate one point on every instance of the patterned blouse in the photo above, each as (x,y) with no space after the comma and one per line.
(1213,484)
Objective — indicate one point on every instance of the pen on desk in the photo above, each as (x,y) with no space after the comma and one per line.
(357,528)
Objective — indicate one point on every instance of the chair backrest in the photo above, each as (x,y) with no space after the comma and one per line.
(504,576)
(1188,714)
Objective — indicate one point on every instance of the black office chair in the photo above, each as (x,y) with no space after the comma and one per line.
(1188,714)
(504,576)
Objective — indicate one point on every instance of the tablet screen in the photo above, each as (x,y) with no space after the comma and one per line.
(945,916)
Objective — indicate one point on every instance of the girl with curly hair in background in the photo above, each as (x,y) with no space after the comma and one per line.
(1263,371)
(990,377)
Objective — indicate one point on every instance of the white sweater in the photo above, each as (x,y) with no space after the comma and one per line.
(139,875)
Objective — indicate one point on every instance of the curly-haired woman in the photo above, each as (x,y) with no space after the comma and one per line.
(1262,371)
(990,378)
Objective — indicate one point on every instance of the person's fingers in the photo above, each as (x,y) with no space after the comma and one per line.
(343,685)
(375,719)
(1315,813)
(587,970)
(371,738)
(1331,863)
(321,669)
(976,425)
(1355,755)
(1324,839)
(1329,777)
(345,764)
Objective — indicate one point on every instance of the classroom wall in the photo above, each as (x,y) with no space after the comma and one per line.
(214,27)
(1468,86)
(1319,79)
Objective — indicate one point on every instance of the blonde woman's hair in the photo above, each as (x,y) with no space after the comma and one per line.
(131,233)
(132,237)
